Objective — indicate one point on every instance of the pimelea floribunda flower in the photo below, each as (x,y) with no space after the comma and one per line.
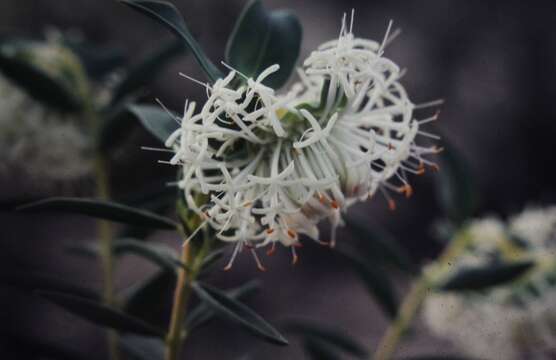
(511,321)
(272,166)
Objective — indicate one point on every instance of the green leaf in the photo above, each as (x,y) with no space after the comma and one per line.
(159,254)
(140,74)
(455,189)
(149,299)
(142,347)
(263,38)
(203,313)
(381,246)
(376,281)
(157,121)
(480,278)
(326,334)
(167,14)
(35,281)
(43,87)
(235,311)
(320,350)
(100,209)
(99,314)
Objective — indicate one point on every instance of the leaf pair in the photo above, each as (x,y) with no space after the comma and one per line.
(259,39)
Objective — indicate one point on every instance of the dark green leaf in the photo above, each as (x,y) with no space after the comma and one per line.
(100,314)
(235,311)
(100,209)
(480,278)
(142,347)
(167,14)
(319,350)
(39,281)
(375,279)
(33,80)
(149,299)
(262,38)
(139,75)
(157,121)
(326,334)
(456,190)
(203,313)
(159,254)
(381,246)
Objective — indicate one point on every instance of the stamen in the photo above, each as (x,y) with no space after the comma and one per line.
(257,261)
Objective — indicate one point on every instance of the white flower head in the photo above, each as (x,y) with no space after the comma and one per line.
(43,145)
(273,166)
(511,321)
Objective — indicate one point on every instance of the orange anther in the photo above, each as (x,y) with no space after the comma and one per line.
(269,231)
(335,204)
(292,233)
(295,259)
(272,249)
(391,205)
(406,189)
(435,167)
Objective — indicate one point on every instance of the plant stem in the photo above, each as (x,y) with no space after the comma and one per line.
(406,313)
(186,276)
(105,237)
(413,301)
(181,297)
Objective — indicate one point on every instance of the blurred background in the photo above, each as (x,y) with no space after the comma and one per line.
(494,64)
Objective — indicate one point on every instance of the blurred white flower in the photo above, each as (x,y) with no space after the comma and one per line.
(514,321)
(38,143)
(273,166)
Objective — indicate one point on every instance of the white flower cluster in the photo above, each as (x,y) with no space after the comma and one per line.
(38,143)
(273,166)
(515,321)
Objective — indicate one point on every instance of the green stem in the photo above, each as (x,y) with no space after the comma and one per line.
(107,259)
(186,276)
(413,301)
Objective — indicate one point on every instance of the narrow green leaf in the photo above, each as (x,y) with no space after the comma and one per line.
(484,277)
(149,299)
(381,246)
(235,311)
(157,121)
(167,14)
(142,347)
(33,80)
(100,209)
(320,350)
(99,314)
(326,334)
(203,313)
(263,38)
(39,281)
(375,279)
(159,254)
(140,74)
(455,189)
